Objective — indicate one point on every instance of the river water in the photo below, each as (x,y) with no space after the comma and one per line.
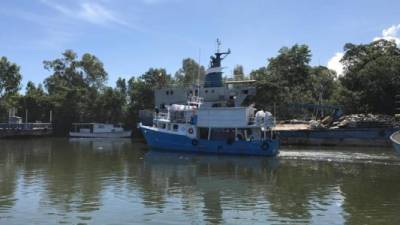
(61,181)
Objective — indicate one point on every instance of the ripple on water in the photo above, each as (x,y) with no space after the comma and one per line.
(344,156)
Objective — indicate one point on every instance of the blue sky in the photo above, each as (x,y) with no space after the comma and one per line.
(130,36)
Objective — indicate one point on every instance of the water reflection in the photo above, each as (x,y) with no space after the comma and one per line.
(49,181)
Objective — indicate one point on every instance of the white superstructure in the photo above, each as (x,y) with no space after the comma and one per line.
(98,130)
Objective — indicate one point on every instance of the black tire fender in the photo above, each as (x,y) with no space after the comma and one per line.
(265,145)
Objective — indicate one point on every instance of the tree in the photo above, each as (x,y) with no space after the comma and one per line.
(73,88)
(36,102)
(291,66)
(121,87)
(238,73)
(371,77)
(285,80)
(69,72)
(156,78)
(323,83)
(140,96)
(190,73)
(10,77)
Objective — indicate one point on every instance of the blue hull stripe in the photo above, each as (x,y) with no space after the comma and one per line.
(180,143)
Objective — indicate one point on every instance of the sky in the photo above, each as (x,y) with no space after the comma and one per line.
(130,36)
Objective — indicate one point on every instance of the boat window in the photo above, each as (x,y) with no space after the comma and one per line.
(172,92)
(175,127)
(245,92)
(163,125)
(203,132)
(206,91)
(222,134)
(167,92)
(169,126)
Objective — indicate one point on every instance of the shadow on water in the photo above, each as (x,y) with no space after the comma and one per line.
(92,181)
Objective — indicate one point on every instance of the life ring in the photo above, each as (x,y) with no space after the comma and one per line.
(265,145)
(190,130)
(195,142)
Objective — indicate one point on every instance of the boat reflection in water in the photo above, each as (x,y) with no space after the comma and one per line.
(207,179)
(173,159)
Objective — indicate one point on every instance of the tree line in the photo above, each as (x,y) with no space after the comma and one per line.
(76,91)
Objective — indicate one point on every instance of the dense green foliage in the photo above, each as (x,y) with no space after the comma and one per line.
(10,79)
(289,78)
(372,77)
(238,73)
(190,73)
(75,90)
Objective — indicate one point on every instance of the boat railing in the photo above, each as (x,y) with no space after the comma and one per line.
(161,115)
(26,126)
(174,117)
(252,120)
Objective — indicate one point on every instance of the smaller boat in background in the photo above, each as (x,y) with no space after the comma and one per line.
(395,138)
(98,130)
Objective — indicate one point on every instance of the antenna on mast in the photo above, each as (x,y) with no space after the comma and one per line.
(218,44)
(198,75)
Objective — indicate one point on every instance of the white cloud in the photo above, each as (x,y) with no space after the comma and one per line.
(88,11)
(98,14)
(152,2)
(334,63)
(390,34)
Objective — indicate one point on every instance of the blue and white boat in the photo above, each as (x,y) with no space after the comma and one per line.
(217,125)
(220,130)
(395,138)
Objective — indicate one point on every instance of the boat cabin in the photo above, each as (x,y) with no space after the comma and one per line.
(95,128)
(223,123)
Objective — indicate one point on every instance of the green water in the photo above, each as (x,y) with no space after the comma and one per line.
(61,181)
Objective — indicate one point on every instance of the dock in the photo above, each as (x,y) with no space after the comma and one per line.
(8,130)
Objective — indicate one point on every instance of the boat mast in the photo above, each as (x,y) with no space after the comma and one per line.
(198,75)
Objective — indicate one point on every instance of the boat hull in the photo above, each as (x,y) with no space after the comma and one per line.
(395,138)
(179,143)
(123,134)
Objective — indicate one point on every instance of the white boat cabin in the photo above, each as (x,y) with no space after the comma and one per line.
(222,123)
(95,128)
